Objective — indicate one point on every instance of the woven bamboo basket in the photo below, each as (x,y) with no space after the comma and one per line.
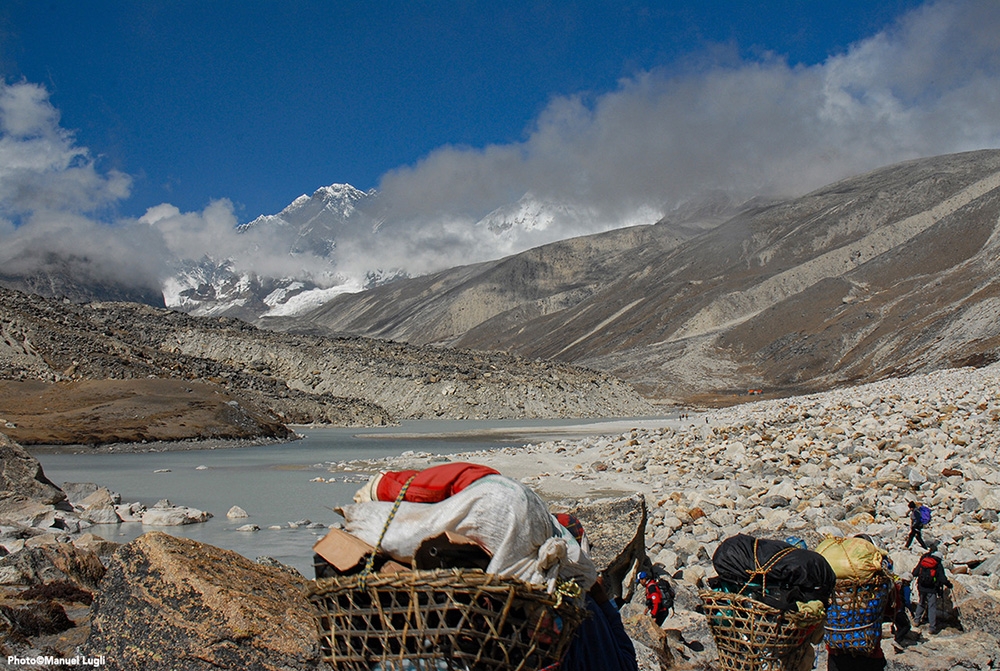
(854,619)
(446,619)
(752,636)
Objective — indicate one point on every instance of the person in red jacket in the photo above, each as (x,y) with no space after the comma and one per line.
(430,485)
(931,582)
(656,602)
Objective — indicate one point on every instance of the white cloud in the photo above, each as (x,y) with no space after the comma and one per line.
(40,166)
(52,198)
(928,85)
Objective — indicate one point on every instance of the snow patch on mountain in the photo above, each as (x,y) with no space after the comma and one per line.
(337,202)
(289,302)
(529,214)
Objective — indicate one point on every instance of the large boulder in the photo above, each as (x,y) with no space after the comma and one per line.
(951,651)
(172,603)
(25,492)
(173,516)
(976,609)
(643,630)
(99,507)
(616,529)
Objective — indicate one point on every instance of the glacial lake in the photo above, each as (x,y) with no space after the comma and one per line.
(274,483)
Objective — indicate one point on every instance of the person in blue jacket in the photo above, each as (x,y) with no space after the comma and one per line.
(600,643)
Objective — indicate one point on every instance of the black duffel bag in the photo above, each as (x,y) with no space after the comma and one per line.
(773,572)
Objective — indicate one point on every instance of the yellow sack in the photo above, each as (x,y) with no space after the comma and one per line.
(852,557)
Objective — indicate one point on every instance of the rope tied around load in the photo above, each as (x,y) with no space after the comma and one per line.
(762,571)
(370,563)
(568,589)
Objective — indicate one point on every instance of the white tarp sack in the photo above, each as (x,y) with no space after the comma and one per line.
(505,517)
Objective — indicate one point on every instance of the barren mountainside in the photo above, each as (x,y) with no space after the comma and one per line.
(888,273)
(297,378)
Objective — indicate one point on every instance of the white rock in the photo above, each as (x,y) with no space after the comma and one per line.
(176,516)
(130,512)
(236,513)
(667,559)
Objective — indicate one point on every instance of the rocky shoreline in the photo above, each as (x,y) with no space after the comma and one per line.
(837,463)
(161,446)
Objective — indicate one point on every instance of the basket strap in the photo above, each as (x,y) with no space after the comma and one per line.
(370,564)
(840,629)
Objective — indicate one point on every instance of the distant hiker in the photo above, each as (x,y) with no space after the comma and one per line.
(917,523)
(658,603)
(931,581)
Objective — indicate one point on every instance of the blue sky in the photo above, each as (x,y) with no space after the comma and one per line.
(259,102)
(137,134)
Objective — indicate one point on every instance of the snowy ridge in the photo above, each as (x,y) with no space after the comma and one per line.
(311,225)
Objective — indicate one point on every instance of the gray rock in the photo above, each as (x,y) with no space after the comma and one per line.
(775,502)
(27,497)
(78,491)
(101,514)
(989,567)
(49,562)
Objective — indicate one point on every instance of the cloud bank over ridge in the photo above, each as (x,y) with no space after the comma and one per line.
(930,84)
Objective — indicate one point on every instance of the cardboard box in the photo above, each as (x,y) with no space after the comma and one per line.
(344,551)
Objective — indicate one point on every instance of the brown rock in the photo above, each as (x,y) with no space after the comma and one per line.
(173,603)
(642,629)
(616,529)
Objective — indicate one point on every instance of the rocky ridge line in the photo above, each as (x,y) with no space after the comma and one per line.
(301,378)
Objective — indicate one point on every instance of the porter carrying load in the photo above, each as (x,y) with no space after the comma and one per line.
(767,605)
(385,612)
(864,584)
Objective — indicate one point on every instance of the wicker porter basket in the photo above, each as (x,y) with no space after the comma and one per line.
(752,636)
(854,619)
(461,619)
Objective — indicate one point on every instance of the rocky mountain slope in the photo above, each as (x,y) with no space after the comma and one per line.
(888,273)
(299,378)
